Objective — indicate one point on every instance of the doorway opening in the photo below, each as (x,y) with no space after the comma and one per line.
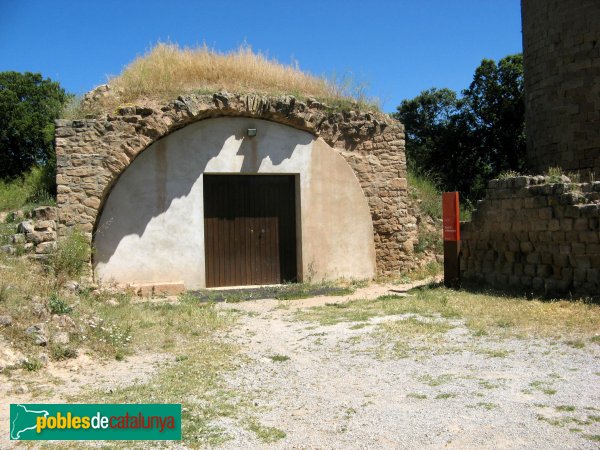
(250,229)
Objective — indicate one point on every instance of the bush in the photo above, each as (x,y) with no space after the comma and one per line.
(57,305)
(62,352)
(71,257)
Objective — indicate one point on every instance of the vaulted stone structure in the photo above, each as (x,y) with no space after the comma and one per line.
(136,182)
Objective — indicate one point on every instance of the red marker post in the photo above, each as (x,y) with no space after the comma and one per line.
(451,224)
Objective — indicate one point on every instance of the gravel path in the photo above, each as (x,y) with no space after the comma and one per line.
(342,387)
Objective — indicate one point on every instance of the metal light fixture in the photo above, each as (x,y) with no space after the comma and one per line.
(251,132)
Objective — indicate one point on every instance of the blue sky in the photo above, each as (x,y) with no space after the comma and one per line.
(397,48)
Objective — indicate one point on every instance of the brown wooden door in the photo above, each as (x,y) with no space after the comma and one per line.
(249,229)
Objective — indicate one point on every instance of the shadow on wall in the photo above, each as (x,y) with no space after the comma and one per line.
(159,197)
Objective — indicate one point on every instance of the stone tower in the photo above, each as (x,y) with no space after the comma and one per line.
(561,50)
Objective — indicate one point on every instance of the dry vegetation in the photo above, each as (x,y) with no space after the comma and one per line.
(167,71)
(483,313)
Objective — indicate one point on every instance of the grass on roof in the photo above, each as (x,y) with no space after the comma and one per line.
(167,71)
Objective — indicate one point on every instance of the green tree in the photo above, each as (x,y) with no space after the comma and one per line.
(462,142)
(28,106)
(495,108)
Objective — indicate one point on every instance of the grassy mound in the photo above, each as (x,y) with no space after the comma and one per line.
(167,71)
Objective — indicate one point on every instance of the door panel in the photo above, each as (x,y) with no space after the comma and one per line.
(250,229)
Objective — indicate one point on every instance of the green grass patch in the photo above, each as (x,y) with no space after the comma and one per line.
(416,395)
(445,396)
(27,192)
(265,434)
(565,408)
(434,381)
(279,358)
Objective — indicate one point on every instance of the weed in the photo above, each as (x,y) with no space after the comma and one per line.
(279,358)
(487,405)
(265,434)
(436,381)
(414,327)
(61,352)
(576,344)
(4,291)
(488,385)
(494,353)
(554,175)
(595,339)
(32,364)
(445,396)
(592,437)
(416,395)
(565,408)
(57,305)
(543,387)
(71,257)
(428,241)
(508,174)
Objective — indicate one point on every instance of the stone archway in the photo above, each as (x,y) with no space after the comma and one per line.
(93,153)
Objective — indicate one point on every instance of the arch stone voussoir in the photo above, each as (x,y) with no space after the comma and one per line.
(93,153)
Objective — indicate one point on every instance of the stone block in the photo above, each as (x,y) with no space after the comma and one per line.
(45,225)
(38,237)
(45,247)
(45,213)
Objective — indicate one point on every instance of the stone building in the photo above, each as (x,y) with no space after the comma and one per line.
(561,51)
(224,189)
(541,234)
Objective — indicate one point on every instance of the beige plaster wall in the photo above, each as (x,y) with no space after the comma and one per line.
(151,228)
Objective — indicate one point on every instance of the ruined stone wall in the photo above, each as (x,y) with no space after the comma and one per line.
(92,153)
(535,236)
(561,51)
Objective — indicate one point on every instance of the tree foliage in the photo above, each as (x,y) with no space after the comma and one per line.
(462,142)
(28,106)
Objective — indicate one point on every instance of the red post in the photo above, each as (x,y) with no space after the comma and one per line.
(451,224)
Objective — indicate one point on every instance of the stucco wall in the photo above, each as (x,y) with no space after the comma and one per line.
(151,228)
(93,153)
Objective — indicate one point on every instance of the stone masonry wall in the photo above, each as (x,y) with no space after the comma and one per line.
(34,233)
(534,236)
(561,51)
(92,153)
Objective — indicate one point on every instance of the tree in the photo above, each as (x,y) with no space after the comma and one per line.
(495,107)
(28,106)
(463,142)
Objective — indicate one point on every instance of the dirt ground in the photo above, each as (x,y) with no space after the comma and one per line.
(342,386)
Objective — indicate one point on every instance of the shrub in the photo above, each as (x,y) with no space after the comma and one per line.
(71,257)
(61,352)
(57,305)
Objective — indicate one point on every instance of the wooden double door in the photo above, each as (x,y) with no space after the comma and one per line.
(249,229)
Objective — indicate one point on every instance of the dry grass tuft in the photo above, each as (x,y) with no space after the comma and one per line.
(168,70)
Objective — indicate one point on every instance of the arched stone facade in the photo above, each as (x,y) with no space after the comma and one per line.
(93,153)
